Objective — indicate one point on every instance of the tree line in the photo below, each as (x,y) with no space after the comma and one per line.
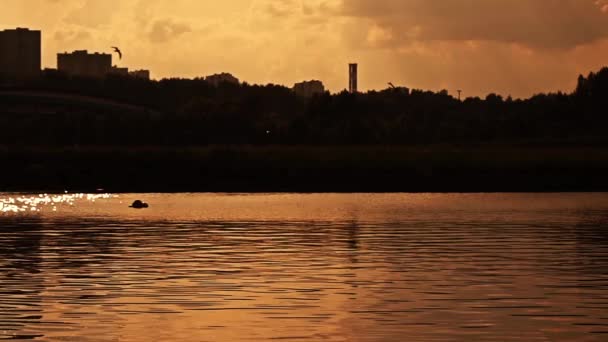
(192,112)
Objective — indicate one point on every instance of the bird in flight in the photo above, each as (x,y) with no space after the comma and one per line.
(117,50)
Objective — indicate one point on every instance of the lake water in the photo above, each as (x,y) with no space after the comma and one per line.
(320,267)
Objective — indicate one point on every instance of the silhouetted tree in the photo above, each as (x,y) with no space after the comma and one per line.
(188,112)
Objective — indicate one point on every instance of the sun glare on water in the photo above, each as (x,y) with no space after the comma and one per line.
(37,203)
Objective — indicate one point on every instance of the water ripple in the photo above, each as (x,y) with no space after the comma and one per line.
(353,274)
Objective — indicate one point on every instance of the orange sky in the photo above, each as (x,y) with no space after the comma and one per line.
(514,47)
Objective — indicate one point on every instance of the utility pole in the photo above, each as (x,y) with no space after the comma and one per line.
(459,92)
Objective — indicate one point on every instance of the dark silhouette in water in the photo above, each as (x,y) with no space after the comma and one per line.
(139,205)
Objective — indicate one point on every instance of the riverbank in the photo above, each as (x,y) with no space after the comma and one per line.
(305,169)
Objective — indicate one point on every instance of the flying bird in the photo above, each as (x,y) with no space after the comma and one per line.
(117,50)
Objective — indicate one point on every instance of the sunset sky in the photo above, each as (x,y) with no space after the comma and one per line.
(512,47)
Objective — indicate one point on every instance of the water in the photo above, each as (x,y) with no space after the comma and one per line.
(353,267)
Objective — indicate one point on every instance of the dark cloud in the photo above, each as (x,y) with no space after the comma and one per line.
(552,24)
(164,30)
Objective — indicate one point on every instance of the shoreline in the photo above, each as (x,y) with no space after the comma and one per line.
(305,169)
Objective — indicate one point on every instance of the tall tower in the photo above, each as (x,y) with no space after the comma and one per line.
(353,78)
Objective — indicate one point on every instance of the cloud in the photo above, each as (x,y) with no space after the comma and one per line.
(280,9)
(546,24)
(69,37)
(516,47)
(603,5)
(94,13)
(164,30)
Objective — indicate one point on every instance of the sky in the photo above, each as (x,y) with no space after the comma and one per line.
(509,47)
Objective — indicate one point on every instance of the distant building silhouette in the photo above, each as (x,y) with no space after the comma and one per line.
(143,74)
(20,53)
(82,63)
(119,71)
(216,79)
(309,88)
(353,78)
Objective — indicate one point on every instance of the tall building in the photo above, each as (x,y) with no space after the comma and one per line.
(82,63)
(20,53)
(309,88)
(352,78)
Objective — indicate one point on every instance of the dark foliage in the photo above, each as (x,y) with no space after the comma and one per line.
(191,112)
(304,168)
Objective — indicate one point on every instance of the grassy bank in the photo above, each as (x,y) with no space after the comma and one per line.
(306,169)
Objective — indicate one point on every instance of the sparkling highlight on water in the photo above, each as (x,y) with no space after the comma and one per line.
(41,202)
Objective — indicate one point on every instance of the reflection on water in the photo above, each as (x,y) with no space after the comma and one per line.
(22,203)
(387,267)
